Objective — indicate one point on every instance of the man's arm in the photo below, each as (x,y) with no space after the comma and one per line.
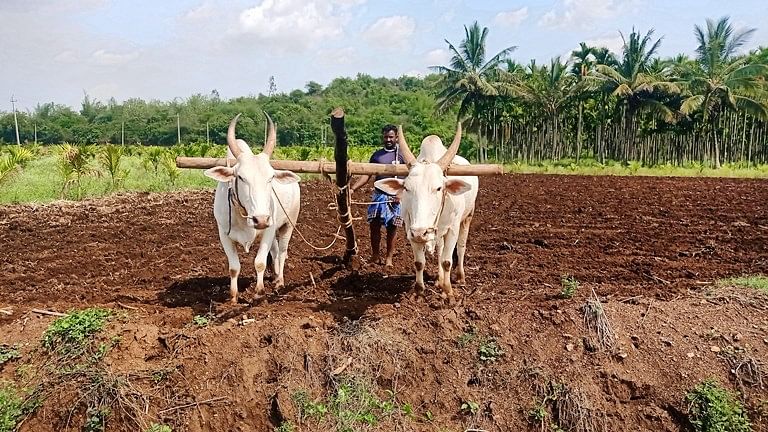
(361,181)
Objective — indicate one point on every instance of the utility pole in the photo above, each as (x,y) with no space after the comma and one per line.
(35,132)
(122,133)
(207,133)
(178,128)
(15,120)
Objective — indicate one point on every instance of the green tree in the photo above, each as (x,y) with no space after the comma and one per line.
(469,78)
(720,83)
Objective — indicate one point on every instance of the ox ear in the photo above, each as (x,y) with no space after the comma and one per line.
(390,186)
(220,173)
(457,186)
(286,177)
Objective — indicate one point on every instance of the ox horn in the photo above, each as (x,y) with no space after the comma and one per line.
(269,146)
(408,156)
(231,141)
(452,150)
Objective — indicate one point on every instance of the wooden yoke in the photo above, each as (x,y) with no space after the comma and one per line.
(342,182)
(352,168)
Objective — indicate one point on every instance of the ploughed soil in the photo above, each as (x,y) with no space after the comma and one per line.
(348,349)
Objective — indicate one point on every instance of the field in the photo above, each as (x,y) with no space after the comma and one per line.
(593,303)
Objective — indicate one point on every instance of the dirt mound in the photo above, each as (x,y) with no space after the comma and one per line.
(342,350)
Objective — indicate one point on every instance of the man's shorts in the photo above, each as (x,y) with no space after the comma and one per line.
(384,209)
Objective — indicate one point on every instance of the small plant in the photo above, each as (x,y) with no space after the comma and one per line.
(714,409)
(151,160)
(70,334)
(110,157)
(8,352)
(285,427)
(155,427)
(74,164)
(568,286)
(307,407)
(96,419)
(11,408)
(168,161)
(467,337)
(489,350)
(469,408)
(201,320)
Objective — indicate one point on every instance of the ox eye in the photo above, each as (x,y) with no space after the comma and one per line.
(239,177)
(439,188)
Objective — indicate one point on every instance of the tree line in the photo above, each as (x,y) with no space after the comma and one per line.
(634,105)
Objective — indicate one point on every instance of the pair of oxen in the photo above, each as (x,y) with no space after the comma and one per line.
(255,203)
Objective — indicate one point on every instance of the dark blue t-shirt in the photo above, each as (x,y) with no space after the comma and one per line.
(383,156)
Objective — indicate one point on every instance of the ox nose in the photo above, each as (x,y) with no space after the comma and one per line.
(261,222)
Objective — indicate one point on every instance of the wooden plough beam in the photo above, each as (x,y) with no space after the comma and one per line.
(353,168)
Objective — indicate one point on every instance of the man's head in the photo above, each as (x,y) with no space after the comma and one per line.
(389,136)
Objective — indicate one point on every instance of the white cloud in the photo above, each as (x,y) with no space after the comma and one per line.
(613,43)
(336,57)
(437,57)
(391,32)
(293,25)
(348,3)
(511,18)
(583,13)
(106,58)
(201,13)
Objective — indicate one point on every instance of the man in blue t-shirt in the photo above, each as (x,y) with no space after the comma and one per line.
(385,210)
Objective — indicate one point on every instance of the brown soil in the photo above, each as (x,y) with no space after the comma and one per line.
(649,248)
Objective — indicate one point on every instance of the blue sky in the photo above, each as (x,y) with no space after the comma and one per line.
(55,50)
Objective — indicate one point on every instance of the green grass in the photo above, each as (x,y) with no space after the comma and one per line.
(592,167)
(40,180)
(11,408)
(713,408)
(71,334)
(756,282)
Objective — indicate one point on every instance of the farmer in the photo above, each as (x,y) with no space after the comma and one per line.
(385,210)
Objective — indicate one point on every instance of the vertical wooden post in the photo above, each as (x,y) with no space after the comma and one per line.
(342,181)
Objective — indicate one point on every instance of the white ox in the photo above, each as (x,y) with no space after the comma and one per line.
(437,210)
(253,203)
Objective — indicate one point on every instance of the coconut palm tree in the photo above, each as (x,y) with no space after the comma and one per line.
(719,83)
(548,89)
(633,84)
(469,78)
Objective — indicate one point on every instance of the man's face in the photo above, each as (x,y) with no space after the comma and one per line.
(390,140)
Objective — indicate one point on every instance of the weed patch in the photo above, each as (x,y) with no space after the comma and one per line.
(70,335)
(712,408)
(8,353)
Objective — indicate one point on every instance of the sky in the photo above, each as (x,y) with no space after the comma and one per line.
(60,50)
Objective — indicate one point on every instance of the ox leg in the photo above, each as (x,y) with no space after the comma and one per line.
(461,248)
(274,252)
(234,264)
(439,243)
(446,259)
(419,261)
(283,239)
(260,262)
